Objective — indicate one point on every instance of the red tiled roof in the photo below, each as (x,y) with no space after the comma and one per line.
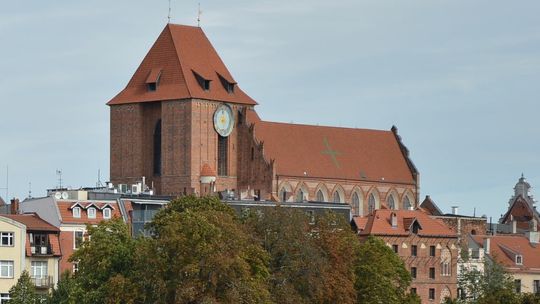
(67,215)
(207,171)
(178,52)
(379,223)
(360,222)
(32,222)
(518,244)
(333,152)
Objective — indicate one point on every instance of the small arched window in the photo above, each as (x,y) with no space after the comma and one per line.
(406,203)
(355,204)
(391,202)
(320,196)
(300,196)
(371,203)
(337,197)
(283,195)
(446,259)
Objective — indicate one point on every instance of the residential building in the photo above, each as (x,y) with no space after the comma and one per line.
(32,244)
(212,130)
(427,246)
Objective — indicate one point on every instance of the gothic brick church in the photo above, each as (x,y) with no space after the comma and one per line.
(184,124)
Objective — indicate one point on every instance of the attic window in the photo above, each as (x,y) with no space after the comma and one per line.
(203,82)
(519,259)
(152,80)
(227,84)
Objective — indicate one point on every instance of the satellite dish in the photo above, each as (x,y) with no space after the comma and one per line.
(65,195)
(58,195)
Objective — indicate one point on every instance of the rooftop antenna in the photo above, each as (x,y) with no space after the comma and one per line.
(169,15)
(59,174)
(30,190)
(199,13)
(7,183)
(99,184)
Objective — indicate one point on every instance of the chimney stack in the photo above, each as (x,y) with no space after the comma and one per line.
(487,244)
(455,210)
(15,206)
(514,226)
(393,218)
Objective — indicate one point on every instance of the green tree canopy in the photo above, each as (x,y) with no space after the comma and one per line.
(24,291)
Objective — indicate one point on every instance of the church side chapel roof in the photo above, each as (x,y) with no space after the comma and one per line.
(179,60)
(334,152)
(380,223)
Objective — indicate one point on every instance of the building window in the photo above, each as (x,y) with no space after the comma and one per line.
(432,272)
(475,254)
(517,284)
(283,195)
(107,213)
(371,203)
(445,269)
(204,83)
(320,196)
(536,286)
(6,269)
(300,196)
(39,243)
(6,238)
(406,203)
(391,203)
(39,269)
(461,294)
(355,204)
(431,251)
(414,250)
(395,248)
(78,239)
(223,153)
(337,197)
(413,272)
(157,148)
(75,267)
(76,212)
(91,212)
(446,259)
(432,293)
(413,290)
(519,259)
(4,298)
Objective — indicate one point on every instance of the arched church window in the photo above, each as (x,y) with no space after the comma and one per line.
(355,204)
(283,195)
(406,203)
(320,196)
(371,203)
(391,202)
(223,153)
(337,197)
(446,259)
(300,196)
(157,148)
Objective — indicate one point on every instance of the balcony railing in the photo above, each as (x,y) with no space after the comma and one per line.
(43,282)
(41,250)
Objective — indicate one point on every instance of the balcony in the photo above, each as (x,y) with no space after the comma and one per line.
(41,250)
(44,282)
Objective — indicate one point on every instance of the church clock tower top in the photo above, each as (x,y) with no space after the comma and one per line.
(182,64)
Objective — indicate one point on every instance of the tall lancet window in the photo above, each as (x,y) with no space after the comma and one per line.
(371,203)
(391,203)
(223,153)
(157,148)
(406,203)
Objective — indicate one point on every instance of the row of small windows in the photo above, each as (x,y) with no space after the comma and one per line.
(91,212)
(338,197)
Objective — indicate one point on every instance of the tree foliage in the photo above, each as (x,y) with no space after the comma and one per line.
(24,291)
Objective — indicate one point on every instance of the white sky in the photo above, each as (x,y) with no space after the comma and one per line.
(460,79)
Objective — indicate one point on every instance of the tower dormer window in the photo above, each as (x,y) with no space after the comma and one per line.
(203,82)
(227,84)
(152,80)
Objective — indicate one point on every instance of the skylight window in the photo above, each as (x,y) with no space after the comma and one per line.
(153,80)
(203,82)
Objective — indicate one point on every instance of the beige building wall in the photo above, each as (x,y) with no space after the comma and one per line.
(13,253)
(52,270)
(527,281)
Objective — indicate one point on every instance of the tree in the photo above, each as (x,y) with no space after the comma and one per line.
(67,291)
(105,264)
(381,275)
(24,291)
(199,253)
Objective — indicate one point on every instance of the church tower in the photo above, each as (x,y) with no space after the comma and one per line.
(175,122)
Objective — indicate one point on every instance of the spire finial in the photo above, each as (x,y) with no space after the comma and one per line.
(169,15)
(199,13)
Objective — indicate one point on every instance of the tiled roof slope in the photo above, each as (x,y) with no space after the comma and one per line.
(379,223)
(67,214)
(32,222)
(333,152)
(178,52)
(502,245)
(54,241)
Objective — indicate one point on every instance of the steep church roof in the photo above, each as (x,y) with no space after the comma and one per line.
(179,61)
(334,152)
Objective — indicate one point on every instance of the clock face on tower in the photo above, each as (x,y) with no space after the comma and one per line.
(223,120)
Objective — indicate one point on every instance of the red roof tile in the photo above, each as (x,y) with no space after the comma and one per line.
(32,222)
(332,152)
(380,224)
(179,51)
(207,171)
(502,245)
(67,214)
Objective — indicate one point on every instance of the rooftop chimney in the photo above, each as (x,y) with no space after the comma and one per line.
(15,206)
(514,226)
(455,210)
(487,243)
(393,219)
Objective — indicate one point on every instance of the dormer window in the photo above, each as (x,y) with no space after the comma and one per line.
(91,212)
(107,213)
(152,80)
(227,84)
(76,212)
(203,82)
(519,259)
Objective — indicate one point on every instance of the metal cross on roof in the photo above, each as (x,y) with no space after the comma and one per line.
(332,153)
